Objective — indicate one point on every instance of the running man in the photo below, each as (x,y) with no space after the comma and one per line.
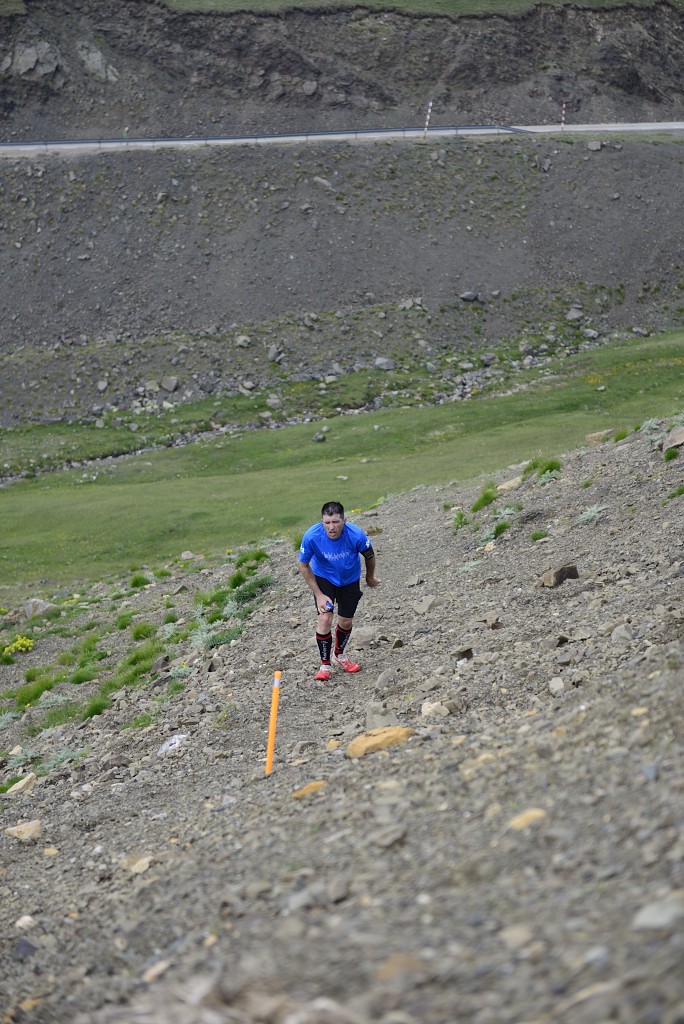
(330,564)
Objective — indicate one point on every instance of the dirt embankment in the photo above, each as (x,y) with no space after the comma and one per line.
(89,68)
(124,268)
(198,250)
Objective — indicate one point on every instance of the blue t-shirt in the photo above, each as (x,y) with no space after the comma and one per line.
(335,560)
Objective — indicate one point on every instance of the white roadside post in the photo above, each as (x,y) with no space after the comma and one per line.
(427,119)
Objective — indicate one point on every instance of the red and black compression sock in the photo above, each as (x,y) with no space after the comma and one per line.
(341,637)
(324,646)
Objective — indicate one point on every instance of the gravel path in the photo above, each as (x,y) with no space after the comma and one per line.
(516,857)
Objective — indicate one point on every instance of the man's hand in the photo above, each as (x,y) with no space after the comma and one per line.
(373,582)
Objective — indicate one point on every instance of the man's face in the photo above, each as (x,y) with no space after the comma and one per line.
(333,526)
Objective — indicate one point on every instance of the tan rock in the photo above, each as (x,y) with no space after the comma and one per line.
(24,785)
(137,863)
(309,789)
(516,936)
(155,971)
(25,832)
(554,577)
(378,739)
(527,818)
(600,436)
(399,965)
(427,604)
(509,485)
(434,709)
(473,764)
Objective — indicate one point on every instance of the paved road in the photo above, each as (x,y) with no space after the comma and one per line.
(79,147)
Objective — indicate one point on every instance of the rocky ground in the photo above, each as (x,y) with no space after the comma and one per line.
(225,268)
(88,68)
(517,856)
(261,266)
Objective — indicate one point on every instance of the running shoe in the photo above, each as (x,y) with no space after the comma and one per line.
(324,672)
(345,662)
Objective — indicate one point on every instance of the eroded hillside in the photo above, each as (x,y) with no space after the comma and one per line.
(88,68)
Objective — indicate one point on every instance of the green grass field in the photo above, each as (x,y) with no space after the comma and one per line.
(64,527)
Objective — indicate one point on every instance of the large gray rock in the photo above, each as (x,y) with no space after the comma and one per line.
(675,439)
(35,60)
(36,606)
(94,62)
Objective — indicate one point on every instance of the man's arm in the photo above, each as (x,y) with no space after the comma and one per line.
(371,579)
(310,580)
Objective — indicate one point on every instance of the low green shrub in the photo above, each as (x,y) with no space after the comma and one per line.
(146,654)
(30,693)
(60,716)
(138,580)
(237,579)
(7,717)
(143,631)
(10,782)
(124,620)
(140,722)
(670,453)
(488,495)
(249,590)
(57,759)
(225,637)
(249,557)
(538,535)
(544,469)
(591,514)
(460,520)
(97,706)
(82,675)
(31,674)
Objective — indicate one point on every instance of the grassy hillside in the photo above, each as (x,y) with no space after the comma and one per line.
(93,520)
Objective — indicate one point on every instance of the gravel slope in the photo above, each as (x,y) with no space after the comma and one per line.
(518,858)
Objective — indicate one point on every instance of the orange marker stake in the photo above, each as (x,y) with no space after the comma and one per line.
(275,696)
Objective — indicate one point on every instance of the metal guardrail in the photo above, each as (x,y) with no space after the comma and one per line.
(368,135)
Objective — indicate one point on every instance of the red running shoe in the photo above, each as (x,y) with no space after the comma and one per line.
(324,673)
(346,663)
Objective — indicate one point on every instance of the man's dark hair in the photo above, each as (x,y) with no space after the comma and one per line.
(332,508)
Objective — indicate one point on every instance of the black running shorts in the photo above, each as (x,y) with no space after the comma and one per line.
(346,598)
